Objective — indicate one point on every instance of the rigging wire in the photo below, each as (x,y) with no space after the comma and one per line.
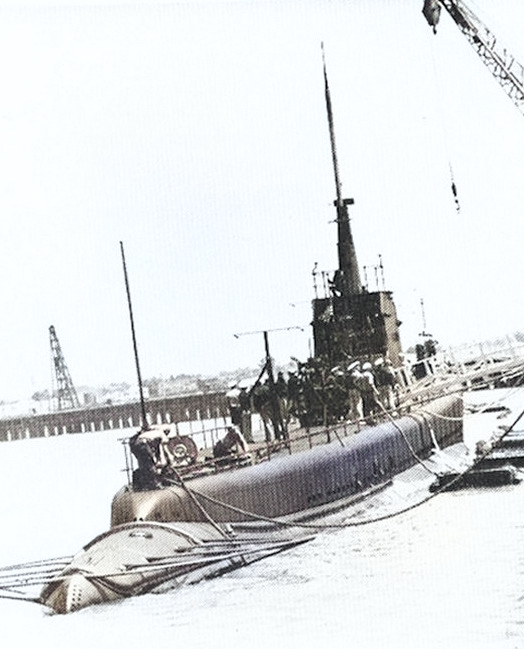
(199,506)
(369,521)
(377,519)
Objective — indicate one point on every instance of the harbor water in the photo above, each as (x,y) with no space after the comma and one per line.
(449,573)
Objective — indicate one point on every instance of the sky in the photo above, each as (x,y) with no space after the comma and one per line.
(195,133)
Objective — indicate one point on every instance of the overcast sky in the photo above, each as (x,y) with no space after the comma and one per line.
(196,133)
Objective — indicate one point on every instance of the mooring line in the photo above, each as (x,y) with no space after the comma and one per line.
(361,523)
(408,443)
(199,506)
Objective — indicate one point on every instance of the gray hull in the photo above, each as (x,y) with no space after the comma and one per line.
(140,558)
(166,537)
(307,482)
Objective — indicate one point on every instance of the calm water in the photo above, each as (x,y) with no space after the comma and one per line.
(447,574)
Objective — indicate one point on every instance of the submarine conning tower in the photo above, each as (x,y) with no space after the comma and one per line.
(350,322)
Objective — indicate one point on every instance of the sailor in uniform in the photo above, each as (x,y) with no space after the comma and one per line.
(233,444)
(385,381)
(233,401)
(354,396)
(149,446)
(369,393)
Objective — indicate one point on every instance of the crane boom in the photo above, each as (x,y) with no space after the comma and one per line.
(501,63)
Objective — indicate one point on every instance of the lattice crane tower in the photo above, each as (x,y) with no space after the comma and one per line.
(65,392)
(501,63)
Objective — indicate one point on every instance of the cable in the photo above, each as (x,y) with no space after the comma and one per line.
(440,112)
(198,505)
(369,521)
(408,443)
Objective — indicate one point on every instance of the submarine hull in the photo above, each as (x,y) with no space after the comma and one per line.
(305,482)
(149,557)
(163,538)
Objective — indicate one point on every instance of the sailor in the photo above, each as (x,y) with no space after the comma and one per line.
(385,382)
(244,400)
(368,392)
(336,283)
(149,447)
(233,401)
(354,397)
(335,395)
(233,443)
(293,391)
(281,386)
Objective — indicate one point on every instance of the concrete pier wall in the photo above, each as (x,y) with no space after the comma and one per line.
(165,410)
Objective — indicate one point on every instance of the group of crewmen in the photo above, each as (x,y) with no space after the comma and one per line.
(158,464)
(315,394)
(376,385)
(361,390)
(319,394)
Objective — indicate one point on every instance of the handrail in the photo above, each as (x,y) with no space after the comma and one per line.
(415,395)
(262,452)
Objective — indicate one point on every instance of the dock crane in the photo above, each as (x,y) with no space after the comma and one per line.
(503,66)
(66,397)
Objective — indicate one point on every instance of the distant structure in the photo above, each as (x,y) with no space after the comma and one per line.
(64,391)
(349,322)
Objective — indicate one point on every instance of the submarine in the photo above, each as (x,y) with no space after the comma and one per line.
(203,516)
(209,516)
(206,525)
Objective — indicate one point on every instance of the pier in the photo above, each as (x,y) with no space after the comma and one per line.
(109,416)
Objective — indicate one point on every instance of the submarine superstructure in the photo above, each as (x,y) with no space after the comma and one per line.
(349,322)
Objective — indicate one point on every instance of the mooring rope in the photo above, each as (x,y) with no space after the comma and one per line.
(369,521)
(199,506)
(408,443)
